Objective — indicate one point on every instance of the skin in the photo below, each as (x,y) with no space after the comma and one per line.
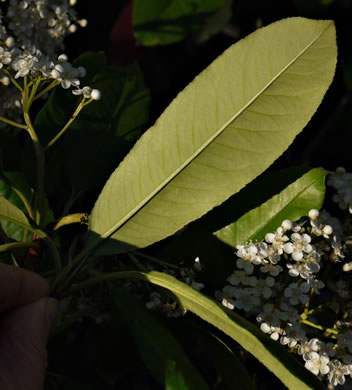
(26,312)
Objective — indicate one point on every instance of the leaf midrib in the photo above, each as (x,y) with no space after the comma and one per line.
(141,204)
(161,281)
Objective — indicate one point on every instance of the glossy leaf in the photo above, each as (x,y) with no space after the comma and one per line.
(12,230)
(271,354)
(292,203)
(13,214)
(220,133)
(159,349)
(168,21)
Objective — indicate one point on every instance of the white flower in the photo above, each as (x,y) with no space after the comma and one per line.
(293,334)
(297,293)
(225,299)
(286,224)
(229,303)
(85,91)
(95,94)
(312,261)
(67,75)
(5,57)
(300,243)
(309,349)
(337,373)
(23,65)
(249,253)
(277,240)
(347,267)
(337,247)
(299,269)
(313,214)
(270,319)
(88,93)
(317,366)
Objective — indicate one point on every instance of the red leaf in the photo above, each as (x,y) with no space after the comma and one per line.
(123,48)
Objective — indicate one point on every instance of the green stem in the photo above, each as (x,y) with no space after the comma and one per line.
(47,89)
(320,327)
(53,250)
(12,123)
(33,92)
(155,260)
(16,245)
(63,130)
(40,157)
(101,279)
(137,263)
(64,272)
(14,82)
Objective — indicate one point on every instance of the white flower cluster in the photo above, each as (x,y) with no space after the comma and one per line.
(31,37)
(276,280)
(37,25)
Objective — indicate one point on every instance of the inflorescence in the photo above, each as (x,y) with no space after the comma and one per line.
(32,33)
(296,285)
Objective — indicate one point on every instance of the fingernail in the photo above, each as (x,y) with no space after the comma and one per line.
(52,310)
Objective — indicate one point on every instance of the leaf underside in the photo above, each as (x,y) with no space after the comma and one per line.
(222,131)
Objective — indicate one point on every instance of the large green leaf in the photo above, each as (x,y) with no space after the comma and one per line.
(159,349)
(292,203)
(274,356)
(168,21)
(221,132)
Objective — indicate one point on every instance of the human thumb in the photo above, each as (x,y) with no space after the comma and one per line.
(24,333)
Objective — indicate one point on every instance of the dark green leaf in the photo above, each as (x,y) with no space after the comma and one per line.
(168,21)
(104,131)
(159,349)
(292,203)
(12,230)
(214,352)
